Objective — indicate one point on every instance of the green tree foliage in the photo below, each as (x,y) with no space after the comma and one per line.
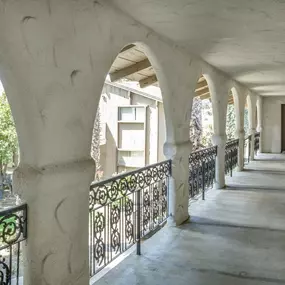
(95,144)
(201,124)
(8,136)
(196,124)
(207,123)
(231,122)
(246,122)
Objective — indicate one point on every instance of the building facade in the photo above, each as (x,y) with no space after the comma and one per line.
(132,129)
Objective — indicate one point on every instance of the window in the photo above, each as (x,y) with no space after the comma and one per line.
(130,113)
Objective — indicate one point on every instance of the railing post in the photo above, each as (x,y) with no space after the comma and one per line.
(244,152)
(138,218)
(203,180)
(231,154)
(248,158)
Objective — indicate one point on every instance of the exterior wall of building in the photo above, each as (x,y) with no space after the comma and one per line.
(154,130)
(111,98)
(151,126)
(272,123)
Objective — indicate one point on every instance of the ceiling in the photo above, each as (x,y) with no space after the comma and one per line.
(245,39)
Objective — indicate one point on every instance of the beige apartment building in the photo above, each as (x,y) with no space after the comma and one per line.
(132,128)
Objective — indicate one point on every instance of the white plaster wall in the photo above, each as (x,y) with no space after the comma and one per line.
(271,138)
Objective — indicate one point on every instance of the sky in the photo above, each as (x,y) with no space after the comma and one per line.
(1,88)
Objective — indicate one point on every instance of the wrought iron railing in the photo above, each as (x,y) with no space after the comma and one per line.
(231,156)
(247,141)
(256,142)
(13,231)
(125,208)
(202,165)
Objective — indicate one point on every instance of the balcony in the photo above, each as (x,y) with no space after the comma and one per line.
(236,236)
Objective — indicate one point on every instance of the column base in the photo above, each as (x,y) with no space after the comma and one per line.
(220,141)
(177,221)
(56,251)
(179,188)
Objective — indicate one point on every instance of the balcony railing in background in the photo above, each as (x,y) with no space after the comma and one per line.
(256,142)
(13,231)
(247,141)
(202,164)
(231,156)
(124,209)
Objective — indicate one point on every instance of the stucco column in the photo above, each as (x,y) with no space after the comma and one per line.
(220,141)
(179,188)
(260,130)
(218,86)
(252,133)
(56,251)
(240,136)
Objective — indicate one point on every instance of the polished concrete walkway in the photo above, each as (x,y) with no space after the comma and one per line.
(236,236)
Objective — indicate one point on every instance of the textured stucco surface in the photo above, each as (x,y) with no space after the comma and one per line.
(242,38)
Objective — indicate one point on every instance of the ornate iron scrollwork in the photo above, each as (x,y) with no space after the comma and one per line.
(13,230)
(125,208)
(202,170)
(256,142)
(231,155)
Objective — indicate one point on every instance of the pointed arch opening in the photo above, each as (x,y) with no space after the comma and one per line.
(132,175)
(201,123)
(9,147)
(129,129)
(232,110)
(246,115)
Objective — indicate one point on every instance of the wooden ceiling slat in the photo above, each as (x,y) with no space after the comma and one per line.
(201,85)
(148,81)
(119,74)
(201,79)
(205,96)
(202,92)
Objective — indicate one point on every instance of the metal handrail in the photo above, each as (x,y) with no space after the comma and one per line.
(129,173)
(13,231)
(124,209)
(202,164)
(231,155)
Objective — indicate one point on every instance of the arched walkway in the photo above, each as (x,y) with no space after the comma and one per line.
(128,137)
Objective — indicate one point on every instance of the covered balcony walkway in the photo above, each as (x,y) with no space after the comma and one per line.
(236,236)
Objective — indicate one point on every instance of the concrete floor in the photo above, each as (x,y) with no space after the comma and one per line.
(236,236)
